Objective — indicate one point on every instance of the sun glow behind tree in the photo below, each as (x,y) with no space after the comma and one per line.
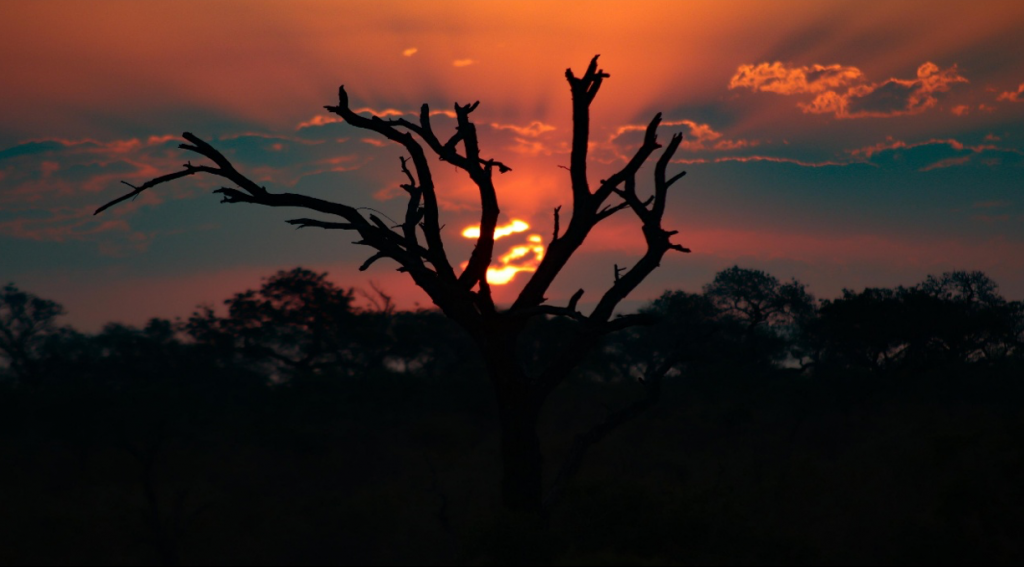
(519,258)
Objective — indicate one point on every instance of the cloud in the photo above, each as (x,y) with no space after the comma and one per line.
(531,148)
(325,119)
(777,78)
(697,137)
(60,168)
(462,62)
(533,129)
(893,144)
(932,154)
(948,162)
(960,109)
(772,159)
(1013,96)
(896,97)
(845,93)
(65,224)
(410,52)
(318,120)
(50,187)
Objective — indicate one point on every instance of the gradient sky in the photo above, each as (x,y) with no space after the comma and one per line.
(844,144)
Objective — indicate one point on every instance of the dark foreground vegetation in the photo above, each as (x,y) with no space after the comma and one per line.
(883,426)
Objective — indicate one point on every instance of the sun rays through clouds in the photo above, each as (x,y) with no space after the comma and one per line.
(523,257)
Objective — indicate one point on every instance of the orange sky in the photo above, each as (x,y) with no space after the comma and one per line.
(845,143)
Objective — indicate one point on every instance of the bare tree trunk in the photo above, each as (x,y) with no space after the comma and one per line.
(519,406)
(466,298)
(522,477)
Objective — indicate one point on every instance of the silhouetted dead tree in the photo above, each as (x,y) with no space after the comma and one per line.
(466,297)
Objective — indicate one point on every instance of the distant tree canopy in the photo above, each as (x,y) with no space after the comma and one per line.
(958,318)
(298,324)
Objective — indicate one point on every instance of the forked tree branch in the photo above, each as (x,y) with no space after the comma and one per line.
(588,208)
(373,231)
(467,297)
(431,228)
(446,289)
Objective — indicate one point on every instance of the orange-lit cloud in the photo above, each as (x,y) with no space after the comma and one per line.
(892,97)
(1013,96)
(960,110)
(777,78)
(533,129)
(318,120)
(462,62)
(410,52)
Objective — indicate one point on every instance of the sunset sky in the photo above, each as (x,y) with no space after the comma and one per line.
(844,144)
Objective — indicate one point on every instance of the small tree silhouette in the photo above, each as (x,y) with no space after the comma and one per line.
(466,298)
(26,323)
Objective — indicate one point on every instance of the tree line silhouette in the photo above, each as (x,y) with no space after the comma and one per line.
(302,423)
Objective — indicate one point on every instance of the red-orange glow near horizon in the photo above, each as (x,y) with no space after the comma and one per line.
(519,258)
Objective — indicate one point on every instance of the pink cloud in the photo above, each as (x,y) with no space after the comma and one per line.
(773,159)
(949,162)
(893,144)
(64,224)
(1013,96)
